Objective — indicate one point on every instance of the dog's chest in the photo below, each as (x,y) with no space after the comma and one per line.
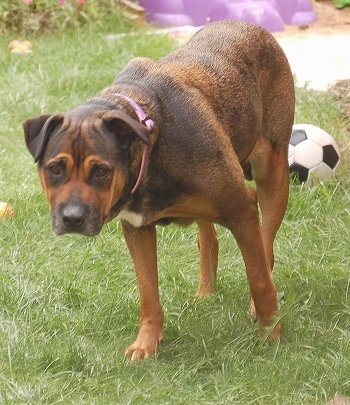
(134,218)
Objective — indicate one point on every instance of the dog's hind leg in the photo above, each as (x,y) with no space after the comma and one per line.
(245,227)
(271,174)
(208,254)
(269,157)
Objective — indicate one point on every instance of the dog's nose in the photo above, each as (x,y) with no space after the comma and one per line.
(73,216)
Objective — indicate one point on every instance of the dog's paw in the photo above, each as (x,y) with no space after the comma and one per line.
(145,346)
(204,291)
(273,333)
(252,310)
(270,328)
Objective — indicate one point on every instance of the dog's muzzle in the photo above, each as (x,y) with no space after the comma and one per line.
(76,217)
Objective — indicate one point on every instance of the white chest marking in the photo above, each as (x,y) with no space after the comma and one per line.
(133,218)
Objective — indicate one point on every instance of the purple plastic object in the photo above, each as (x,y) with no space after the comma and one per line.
(199,10)
(163,6)
(303,18)
(171,20)
(270,14)
(288,8)
(167,13)
(259,12)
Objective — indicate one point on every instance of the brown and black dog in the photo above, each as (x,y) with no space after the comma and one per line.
(172,141)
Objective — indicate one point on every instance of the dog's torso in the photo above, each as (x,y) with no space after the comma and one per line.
(206,98)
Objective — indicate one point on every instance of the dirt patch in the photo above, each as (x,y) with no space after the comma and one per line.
(330,19)
(330,22)
(341,93)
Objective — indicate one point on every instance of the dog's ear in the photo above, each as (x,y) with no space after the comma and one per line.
(124,128)
(37,132)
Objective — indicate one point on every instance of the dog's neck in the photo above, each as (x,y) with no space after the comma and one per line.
(149,123)
(141,115)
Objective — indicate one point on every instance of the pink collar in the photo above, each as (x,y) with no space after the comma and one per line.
(149,123)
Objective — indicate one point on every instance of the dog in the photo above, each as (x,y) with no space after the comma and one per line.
(173,140)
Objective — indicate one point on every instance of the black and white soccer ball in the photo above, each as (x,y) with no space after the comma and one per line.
(313,154)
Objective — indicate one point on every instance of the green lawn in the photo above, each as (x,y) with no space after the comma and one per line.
(69,305)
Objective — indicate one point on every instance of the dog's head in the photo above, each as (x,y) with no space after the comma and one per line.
(84,162)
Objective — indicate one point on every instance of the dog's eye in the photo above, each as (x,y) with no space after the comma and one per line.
(56,169)
(100,171)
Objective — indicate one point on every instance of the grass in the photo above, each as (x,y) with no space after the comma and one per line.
(69,305)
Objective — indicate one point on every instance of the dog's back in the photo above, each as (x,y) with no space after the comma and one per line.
(236,60)
(231,71)
(225,44)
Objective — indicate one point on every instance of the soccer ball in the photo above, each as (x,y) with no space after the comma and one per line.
(313,154)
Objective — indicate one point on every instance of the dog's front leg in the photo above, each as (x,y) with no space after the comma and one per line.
(142,245)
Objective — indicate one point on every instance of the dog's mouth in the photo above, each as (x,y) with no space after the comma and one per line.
(79,218)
